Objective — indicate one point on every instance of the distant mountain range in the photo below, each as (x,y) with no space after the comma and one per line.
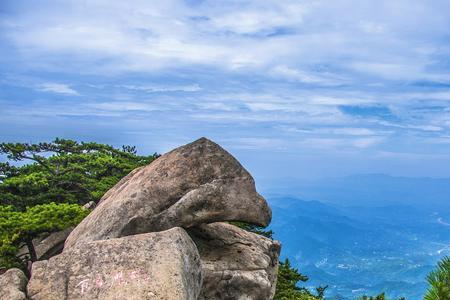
(367,234)
(365,190)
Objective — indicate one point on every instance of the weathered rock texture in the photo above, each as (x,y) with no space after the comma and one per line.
(159,266)
(193,184)
(132,245)
(236,264)
(13,285)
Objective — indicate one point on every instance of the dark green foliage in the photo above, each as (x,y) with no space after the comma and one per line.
(18,229)
(63,171)
(287,285)
(254,228)
(378,297)
(381,296)
(439,281)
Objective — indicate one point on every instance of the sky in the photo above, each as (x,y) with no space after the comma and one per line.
(293,89)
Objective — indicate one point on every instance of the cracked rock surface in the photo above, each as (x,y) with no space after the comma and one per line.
(236,264)
(155,266)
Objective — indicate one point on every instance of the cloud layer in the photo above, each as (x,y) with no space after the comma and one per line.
(356,82)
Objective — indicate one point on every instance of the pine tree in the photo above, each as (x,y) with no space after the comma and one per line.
(439,281)
(18,229)
(63,171)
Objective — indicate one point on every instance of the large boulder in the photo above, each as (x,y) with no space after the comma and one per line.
(236,264)
(158,266)
(193,184)
(13,285)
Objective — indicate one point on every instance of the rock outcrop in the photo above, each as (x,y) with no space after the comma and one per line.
(237,264)
(160,234)
(13,285)
(161,266)
(193,184)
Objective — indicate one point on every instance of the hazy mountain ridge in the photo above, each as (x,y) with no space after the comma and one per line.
(369,190)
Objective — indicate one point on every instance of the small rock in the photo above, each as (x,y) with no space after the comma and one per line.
(13,285)
(89,205)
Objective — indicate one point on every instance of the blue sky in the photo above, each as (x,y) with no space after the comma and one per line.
(292,88)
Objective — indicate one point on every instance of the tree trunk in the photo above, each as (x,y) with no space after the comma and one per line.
(31,250)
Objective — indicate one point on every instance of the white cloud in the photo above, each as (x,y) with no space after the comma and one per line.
(58,88)
(367,142)
(124,106)
(393,71)
(256,143)
(340,144)
(440,96)
(411,155)
(260,17)
(215,106)
(269,36)
(275,68)
(372,27)
(353,131)
(306,77)
(164,88)
(427,127)
(336,100)
(422,127)
(322,143)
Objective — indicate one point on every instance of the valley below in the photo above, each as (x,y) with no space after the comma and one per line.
(362,248)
